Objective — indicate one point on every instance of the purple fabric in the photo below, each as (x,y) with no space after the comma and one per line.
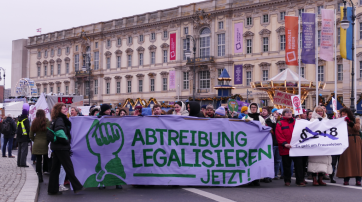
(238,74)
(308,38)
(242,104)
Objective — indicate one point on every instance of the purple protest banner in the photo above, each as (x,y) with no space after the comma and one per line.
(238,38)
(308,38)
(238,74)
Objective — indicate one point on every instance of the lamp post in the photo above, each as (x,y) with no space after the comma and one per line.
(188,55)
(345,24)
(4,83)
(86,66)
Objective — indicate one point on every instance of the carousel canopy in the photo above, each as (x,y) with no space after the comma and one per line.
(287,75)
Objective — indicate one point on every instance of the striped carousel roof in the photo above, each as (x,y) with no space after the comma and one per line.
(287,75)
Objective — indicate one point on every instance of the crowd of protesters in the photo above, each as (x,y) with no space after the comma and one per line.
(56,133)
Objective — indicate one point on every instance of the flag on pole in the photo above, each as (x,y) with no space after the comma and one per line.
(291,33)
(38,30)
(346,36)
(308,36)
(326,48)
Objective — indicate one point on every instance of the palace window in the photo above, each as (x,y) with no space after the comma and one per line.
(45,90)
(186,43)
(221,45)
(205,42)
(67,50)
(96,60)
(152,85)
(248,78)
(186,80)
(129,86)
(338,35)
(249,21)
(119,41)
(45,53)
(52,52)
(108,90)
(86,58)
(118,61)
(129,39)
(340,72)
(319,37)
(282,42)
(59,51)
(58,69)
(320,73)
(300,11)
(96,44)
(140,86)
(51,69)
(186,30)
(153,36)
(265,18)
(165,34)
(302,72)
(141,38)
(67,90)
(164,84)
(38,71)
(265,75)
(141,59)
(153,58)
(221,25)
(67,68)
(118,87)
(248,46)
(319,10)
(204,78)
(108,63)
(58,90)
(129,62)
(76,62)
(108,43)
(164,56)
(265,44)
(282,15)
(219,71)
(96,87)
(76,48)
(45,70)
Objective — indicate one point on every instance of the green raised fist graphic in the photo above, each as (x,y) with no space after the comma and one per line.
(105,140)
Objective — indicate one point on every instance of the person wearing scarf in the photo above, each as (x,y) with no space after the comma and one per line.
(253,114)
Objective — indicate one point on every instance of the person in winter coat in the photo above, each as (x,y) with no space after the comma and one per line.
(23,128)
(40,148)
(243,112)
(194,109)
(350,162)
(60,146)
(272,122)
(253,114)
(319,164)
(8,130)
(210,113)
(180,109)
(284,131)
(220,113)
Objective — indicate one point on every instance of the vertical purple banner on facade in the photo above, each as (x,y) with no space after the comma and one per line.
(308,38)
(238,38)
(238,74)
(172,79)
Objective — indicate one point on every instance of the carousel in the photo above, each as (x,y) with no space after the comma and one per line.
(287,81)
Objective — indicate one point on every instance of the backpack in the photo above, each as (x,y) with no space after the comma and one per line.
(50,132)
(7,128)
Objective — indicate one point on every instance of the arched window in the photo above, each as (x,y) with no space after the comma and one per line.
(205,42)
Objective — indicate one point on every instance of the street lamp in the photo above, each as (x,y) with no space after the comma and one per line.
(188,55)
(4,83)
(345,24)
(86,66)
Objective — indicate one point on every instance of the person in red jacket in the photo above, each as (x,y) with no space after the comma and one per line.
(284,131)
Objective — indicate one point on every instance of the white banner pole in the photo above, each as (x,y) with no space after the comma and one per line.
(300,44)
(316,61)
(335,58)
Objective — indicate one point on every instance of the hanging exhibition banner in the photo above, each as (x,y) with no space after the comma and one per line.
(291,34)
(169,150)
(172,79)
(238,37)
(173,46)
(297,104)
(308,38)
(319,138)
(283,99)
(327,40)
(238,74)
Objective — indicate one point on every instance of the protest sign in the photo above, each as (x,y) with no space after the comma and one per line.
(233,105)
(334,104)
(297,105)
(283,99)
(40,104)
(170,150)
(319,138)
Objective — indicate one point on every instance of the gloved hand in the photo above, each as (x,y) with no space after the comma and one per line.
(320,119)
(347,119)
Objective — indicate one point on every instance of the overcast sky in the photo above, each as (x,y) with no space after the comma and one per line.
(19,19)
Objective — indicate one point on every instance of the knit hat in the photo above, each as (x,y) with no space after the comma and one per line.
(220,111)
(203,107)
(138,108)
(105,107)
(25,109)
(260,109)
(274,110)
(244,108)
(209,107)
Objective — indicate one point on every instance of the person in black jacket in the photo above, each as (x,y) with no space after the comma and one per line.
(271,121)
(60,146)
(8,135)
(23,130)
(194,109)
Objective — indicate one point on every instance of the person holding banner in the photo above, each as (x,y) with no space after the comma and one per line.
(253,114)
(180,109)
(319,164)
(284,131)
(60,145)
(350,162)
(194,109)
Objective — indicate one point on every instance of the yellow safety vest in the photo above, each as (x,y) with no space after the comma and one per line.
(22,126)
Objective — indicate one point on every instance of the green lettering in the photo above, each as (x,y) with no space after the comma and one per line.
(183,137)
(183,157)
(227,158)
(161,131)
(197,153)
(145,157)
(193,143)
(238,158)
(225,137)
(213,177)
(134,165)
(164,158)
(172,138)
(251,157)
(232,177)
(138,137)
(212,162)
(218,140)
(150,136)
(208,177)
(203,136)
(261,151)
(242,139)
(219,164)
(174,157)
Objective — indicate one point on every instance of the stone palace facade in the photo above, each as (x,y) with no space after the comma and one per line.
(129,57)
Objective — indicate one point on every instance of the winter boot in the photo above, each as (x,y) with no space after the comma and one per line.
(40,177)
(331,176)
(320,182)
(315,182)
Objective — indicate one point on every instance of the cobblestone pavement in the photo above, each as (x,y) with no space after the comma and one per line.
(12,179)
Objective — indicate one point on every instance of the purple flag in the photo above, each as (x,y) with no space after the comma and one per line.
(238,37)
(308,38)
(238,74)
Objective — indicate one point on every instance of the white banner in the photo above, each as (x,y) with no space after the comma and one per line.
(319,138)
(40,104)
(334,104)
(297,105)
